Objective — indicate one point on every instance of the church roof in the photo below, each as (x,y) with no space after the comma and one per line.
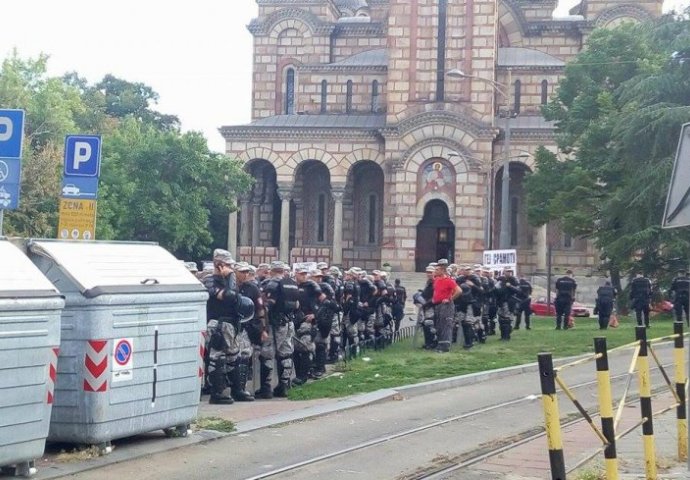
(370,58)
(526,57)
(322,121)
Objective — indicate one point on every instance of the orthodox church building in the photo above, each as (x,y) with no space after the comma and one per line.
(380,128)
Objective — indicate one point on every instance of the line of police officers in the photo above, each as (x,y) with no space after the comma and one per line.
(299,323)
(463,303)
(641,299)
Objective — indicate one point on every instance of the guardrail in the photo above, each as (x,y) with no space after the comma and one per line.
(642,350)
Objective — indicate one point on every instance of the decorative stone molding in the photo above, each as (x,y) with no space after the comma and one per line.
(312,154)
(274,23)
(470,125)
(259,153)
(338,192)
(363,154)
(285,193)
(372,29)
(428,148)
(249,133)
(426,198)
(330,67)
(622,11)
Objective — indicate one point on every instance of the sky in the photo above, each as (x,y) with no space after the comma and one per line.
(197,55)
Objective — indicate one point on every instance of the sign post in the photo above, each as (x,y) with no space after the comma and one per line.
(11,141)
(80,187)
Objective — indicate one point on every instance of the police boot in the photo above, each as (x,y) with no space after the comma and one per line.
(281,389)
(527,323)
(319,362)
(302,366)
(265,392)
(468,333)
(456,328)
(492,327)
(238,389)
(517,322)
(219,395)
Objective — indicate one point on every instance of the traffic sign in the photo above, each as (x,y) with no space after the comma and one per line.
(123,352)
(10,175)
(677,211)
(9,196)
(77,219)
(123,361)
(11,133)
(82,155)
(79,187)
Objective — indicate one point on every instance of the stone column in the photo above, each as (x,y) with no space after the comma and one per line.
(245,214)
(285,197)
(256,223)
(337,254)
(232,233)
(541,248)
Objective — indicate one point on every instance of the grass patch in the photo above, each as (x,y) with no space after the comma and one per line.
(213,423)
(400,364)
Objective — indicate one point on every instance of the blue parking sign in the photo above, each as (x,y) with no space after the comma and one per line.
(11,133)
(82,155)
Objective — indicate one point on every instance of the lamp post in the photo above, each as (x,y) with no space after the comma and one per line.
(504,90)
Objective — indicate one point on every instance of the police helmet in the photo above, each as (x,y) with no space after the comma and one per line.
(245,309)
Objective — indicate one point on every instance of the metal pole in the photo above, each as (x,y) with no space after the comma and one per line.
(606,408)
(2,217)
(548,278)
(552,418)
(646,405)
(505,179)
(681,414)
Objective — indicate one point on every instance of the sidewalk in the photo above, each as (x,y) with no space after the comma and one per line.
(530,460)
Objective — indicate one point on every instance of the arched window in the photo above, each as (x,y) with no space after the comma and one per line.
(375,106)
(321,217)
(324,95)
(567,240)
(516,105)
(348,97)
(514,209)
(290,91)
(544,92)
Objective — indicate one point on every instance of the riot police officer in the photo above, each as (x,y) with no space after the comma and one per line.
(680,295)
(310,295)
(427,312)
(281,298)
(506,296)
(464,314)
(640,298)
(603,306)
(351,316)
(525,304)
(489,309)
(565,296)
(225,309)
(398,307)
(326,309)
(366,308)
(336,334)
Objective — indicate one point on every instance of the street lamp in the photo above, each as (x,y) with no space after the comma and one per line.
(504,90)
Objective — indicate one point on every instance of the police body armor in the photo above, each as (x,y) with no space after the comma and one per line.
(681,288)
(285,297)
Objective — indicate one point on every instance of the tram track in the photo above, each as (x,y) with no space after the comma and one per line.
(445,465)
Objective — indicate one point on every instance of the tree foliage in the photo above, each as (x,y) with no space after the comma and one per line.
(157,184)
(618,110)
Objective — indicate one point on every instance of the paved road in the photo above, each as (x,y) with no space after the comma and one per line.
(484,424)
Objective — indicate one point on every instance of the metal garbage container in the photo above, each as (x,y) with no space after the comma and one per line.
(30,308)
(131,351)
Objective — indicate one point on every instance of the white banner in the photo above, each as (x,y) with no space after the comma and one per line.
(500,259)
(308,265)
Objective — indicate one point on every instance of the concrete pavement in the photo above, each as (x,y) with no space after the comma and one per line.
(525,461)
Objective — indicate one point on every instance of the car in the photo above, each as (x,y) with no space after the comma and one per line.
(539,307)
(664,306)
(70,189)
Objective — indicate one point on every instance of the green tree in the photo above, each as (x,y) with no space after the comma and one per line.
(618,110)
(158,185)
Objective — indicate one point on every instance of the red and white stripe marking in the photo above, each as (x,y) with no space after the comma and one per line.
(96,366)
(52,374)
(202,353)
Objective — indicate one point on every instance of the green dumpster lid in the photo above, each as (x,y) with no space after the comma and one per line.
(20,277)
(117,267)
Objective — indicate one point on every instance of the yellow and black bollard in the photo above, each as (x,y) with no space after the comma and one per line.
(547,376)
(681,413)
(606,408)
(646,404)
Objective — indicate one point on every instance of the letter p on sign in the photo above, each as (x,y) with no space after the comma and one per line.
(11,133)
(82,155)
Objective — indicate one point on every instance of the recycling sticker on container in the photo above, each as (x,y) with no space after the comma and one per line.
(123,365)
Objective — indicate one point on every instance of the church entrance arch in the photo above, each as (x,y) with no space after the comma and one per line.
(435,235)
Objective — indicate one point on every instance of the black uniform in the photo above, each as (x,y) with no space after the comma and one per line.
(429,320)
(489,310)
(565,296)
(398,308)
(680,295)
(640,298)
(525,304)
(507,295)
(305,331)
(606,295)
(464,313)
